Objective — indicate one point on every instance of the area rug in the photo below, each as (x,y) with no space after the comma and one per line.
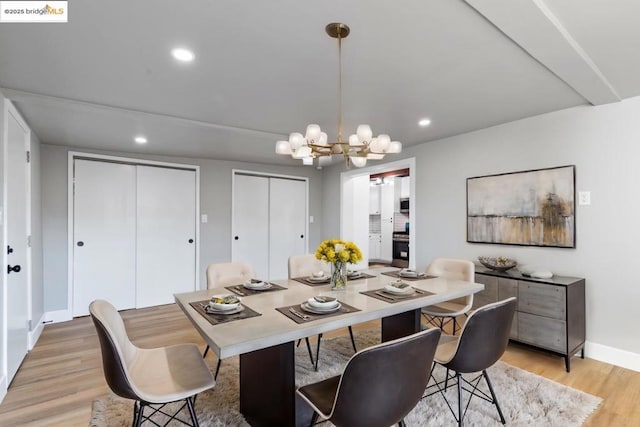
(526,399)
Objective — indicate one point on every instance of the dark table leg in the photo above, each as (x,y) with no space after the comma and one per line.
(267,388)
(400,325)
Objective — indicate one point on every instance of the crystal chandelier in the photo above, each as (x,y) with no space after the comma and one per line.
(360,147)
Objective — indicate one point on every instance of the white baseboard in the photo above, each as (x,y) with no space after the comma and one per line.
(35,333)
(57,316)
(3,388)
(612,355)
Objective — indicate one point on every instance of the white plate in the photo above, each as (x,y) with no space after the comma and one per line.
(306,307)
(390,288)
(409,273)
(313,302)
(211,310)
(260,286)
(318,279)
(354,275)
(223,307)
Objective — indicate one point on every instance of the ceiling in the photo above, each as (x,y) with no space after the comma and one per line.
(264,69)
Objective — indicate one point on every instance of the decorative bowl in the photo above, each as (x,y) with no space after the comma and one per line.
(499,264)
(224,302)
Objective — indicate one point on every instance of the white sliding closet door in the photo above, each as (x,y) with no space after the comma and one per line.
(287,224)
(166,232)
(104,234)
(250,235)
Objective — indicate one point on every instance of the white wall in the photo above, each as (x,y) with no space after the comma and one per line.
(3,326)
(37,289)
(604,144)
(215,201)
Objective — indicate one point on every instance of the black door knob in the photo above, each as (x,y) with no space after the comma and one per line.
(190,240)
(9,249)
(302,236)
(235,238)
(80,243)
(15,269)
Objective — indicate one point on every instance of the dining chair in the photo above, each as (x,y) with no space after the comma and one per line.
(482,341)
(305,266)
(447,312)
(149,376)
(379,386)
(226,274)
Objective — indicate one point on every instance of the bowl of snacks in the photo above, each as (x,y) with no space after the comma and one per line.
(224,302)
(499,263)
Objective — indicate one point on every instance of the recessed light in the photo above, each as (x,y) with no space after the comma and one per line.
(183,55)
(424,122)
(140,140)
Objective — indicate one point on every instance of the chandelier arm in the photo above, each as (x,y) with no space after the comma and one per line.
(339,87)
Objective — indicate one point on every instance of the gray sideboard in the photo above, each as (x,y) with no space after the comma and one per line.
(550,313)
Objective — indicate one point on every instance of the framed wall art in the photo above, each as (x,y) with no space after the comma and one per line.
(531,208)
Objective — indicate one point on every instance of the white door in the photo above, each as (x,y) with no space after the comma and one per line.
(355,215)
(104,233)
(166,232)
(17,231)
(250,235)
(287,224)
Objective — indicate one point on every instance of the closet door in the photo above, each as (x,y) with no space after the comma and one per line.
(166,232)
(287,224)
(250,234)
(104,233)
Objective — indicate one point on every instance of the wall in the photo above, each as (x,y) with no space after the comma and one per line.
(215,201)
(3,326)
(37,289)
(603,143)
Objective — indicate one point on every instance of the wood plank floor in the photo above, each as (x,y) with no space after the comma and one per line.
(62,375)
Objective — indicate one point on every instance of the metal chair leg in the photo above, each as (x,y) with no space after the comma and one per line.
(192,412)
(401,423)
(309,350)
(460,413)
(314,419)
(215,376)
(493,395)
(353,342)
(315,367)
(206,350)
(138,419)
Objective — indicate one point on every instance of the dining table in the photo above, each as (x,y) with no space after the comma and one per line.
(264,341)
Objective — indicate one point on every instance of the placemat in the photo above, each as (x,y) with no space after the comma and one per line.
(310,317)
(383,296)
(397,276)
(245,292)
(306,281)
(216,319)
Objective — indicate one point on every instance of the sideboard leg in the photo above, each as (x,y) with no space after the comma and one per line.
(582,353)
(567,362)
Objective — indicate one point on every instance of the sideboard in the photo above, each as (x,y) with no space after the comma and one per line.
(550,314)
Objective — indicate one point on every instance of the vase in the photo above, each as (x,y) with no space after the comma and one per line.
(338,276)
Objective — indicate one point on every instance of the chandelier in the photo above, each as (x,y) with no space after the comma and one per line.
(360,146)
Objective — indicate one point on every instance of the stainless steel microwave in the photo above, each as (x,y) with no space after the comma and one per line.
(404,205)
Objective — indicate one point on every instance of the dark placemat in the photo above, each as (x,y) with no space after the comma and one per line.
(306,281)
(411,279)
(383,296)
(245,292)
(216,319)
(310,317)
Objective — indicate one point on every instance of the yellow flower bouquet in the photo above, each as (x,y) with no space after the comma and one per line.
(338,253)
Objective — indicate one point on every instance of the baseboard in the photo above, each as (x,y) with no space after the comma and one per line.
(3,388)
(35,334)
(57,316)
(612,355)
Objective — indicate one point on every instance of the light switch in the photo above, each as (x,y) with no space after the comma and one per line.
(584,198)
(204,218)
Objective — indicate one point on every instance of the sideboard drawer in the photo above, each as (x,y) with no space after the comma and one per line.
(514,327)
(542,332)
(507,288)
(490,292)
(542,299)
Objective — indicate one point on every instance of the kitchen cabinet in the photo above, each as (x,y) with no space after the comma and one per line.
(374,200)
(550,314)
(374,246)
(386,222)
(405,187)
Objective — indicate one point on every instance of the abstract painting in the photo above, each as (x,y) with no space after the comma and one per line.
(532,208)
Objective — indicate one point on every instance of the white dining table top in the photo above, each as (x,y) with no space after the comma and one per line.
(274,328)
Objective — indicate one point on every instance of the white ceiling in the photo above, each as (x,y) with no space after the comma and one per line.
(267,68)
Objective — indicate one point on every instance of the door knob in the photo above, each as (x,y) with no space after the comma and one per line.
(9,249)
(80,243)
(190,240)
(15,269)
(302,236)
(235,238)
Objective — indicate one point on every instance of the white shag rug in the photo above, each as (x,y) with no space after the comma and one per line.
(525,399)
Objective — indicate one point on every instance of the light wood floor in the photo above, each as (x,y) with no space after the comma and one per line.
(62,375)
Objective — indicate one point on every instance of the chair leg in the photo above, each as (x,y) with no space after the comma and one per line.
(309,350)
(353,342)
(315,367)
(138,418)
(454,325)
(314,419)
(192,412)
(401,423)
(493,395)
(215,376)
(460,413)
(206,350)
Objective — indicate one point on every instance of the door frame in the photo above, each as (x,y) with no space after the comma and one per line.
(72,155)
(409,163)
(9,108)
(235,172)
